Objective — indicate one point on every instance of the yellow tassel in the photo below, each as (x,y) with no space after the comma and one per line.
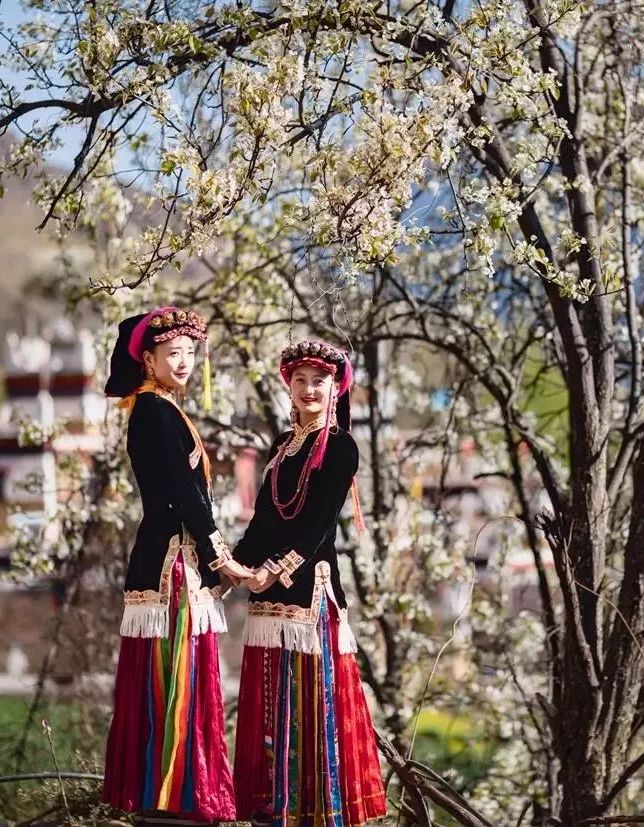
(416,488)
(206,403)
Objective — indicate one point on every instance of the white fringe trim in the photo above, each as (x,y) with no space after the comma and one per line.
(145,620)
(276,633)
(208,616)
(153,620)
(346,640)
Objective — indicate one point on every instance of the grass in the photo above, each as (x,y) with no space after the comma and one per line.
(78,733)
(75,728)
(453,743)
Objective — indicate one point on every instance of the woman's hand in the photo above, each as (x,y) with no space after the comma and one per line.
(260,580)
(235,572)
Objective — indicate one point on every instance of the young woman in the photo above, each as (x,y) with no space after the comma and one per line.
(305,752)
(166,749)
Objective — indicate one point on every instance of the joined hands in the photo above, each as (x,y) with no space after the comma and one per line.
(257,580)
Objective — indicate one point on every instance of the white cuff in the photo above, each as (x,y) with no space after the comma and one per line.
(222,551)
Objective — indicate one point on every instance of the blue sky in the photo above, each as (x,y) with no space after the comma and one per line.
(13,13)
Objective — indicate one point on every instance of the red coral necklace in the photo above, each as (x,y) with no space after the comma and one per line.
(289,510)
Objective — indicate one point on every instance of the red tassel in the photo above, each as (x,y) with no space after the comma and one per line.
(358,517)
(320,451)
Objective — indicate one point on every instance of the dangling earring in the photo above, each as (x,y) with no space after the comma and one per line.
(150,375)
(334,414)
(295,416)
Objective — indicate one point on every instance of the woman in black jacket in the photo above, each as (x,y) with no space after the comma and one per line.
(305,751)
(166,748)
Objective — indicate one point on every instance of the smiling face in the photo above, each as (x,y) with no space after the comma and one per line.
(171,362)
(311,390)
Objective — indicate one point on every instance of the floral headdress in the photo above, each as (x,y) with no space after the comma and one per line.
(140,333)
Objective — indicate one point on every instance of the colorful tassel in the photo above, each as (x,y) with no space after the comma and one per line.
(319,446)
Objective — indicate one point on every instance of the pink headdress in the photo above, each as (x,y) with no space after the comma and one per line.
(140,333)
(165,323)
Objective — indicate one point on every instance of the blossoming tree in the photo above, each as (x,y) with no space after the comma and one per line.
(477,166)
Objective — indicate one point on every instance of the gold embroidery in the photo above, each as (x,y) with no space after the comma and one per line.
(282,610)
(222,551)
(190,317)
(291,561)
(274,568)
(285,567)
(145,597)
(220,545)
(185,330)
(288,611)
(196,593)
(286,580)
(300,434)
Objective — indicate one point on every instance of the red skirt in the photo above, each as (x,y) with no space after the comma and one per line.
(305,751)
(166,748)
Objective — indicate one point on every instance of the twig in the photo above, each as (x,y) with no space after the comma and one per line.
(420,780)
(523,814)
(47,730)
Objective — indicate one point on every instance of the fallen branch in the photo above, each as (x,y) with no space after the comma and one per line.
(43,776)
(419,780)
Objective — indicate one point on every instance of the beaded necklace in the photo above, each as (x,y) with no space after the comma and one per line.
(300,434)
(299,498)
(289,510)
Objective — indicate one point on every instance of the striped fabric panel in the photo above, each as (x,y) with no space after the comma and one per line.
(281,740)
(187,796)
(333,798)
(169,782)
(306,758)
(157,694)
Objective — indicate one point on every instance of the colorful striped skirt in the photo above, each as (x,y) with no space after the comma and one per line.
(166,749)
(305,752)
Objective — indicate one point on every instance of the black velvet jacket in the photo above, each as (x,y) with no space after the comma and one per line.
(174,494)
(311,535)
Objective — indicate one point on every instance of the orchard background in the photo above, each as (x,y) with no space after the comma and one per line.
(453,191)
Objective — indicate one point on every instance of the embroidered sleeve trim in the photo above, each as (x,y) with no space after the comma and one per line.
(285,567)
(222,551)
(273,567)
(286,580)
